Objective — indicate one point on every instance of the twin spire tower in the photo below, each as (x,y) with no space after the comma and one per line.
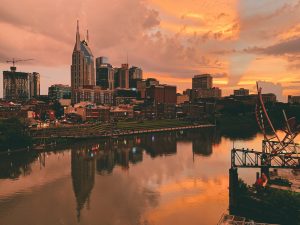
(83,65)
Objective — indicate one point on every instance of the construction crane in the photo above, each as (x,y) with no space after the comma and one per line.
(14,61)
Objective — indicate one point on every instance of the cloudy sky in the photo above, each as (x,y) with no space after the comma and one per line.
(239,42)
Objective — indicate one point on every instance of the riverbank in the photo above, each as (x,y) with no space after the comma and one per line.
(92,132)
(102,130)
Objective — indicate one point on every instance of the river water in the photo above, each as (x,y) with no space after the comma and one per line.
(155,179)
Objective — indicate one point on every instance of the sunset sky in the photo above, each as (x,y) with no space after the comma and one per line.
(239,42)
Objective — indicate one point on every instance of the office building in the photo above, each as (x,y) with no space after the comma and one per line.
(20,86)
(162,94)
(135,74)
(94,95)
(59,91)
(122,77)
(141,88)
(82,68)
(101,60)
(241,92)
(34,85)
(293,99)
(151,81)
(182,99)
(104,74)
(206,93)
(203,81)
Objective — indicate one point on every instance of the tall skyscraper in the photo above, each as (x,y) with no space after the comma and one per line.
(203,81)
(135,74)
(122,77)
(202,88)
(82,68)
(101,60)
(104,74)
(20,86)
(34,85)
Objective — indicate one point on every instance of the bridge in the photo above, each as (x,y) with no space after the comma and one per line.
(249,158)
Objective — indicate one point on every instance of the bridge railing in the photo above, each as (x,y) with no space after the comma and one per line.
(249,158)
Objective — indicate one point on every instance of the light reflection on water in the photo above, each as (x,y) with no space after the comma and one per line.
(167,178)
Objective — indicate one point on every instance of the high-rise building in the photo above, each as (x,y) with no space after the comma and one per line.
(101,60)
(151,81)
(20,86)
(141,88)
(135,74)
(34,85)
(116,77)
(162,94)
(122,77)
(293,99)
(203,81)
(241,92)
(202,88)
(104,74)
(214,92)
(95,95)
(82,68)
(59,91)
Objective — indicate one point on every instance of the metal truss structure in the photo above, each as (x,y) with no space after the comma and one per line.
(276,152)
(272,142)
(246,158)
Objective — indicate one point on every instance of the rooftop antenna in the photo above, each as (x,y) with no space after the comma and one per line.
(87,35)
(77,45)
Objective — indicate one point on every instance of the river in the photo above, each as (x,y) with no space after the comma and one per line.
(173,178)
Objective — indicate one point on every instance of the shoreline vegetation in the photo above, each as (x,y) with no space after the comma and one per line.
(13,135)
(267,204)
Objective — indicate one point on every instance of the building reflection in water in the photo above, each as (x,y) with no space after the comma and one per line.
(83,176)
(129,150)
(124,151)
(159,144)
(120,152)
(202,143)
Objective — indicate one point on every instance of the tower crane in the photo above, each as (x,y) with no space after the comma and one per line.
(14,61)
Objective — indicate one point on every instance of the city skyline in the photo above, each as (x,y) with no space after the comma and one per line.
(238,43)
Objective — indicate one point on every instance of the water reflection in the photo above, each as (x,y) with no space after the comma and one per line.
(83,176)
(16,164)
(122,152)
(156,179)
(129,150)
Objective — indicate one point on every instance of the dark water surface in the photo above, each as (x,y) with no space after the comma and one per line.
(156,179)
